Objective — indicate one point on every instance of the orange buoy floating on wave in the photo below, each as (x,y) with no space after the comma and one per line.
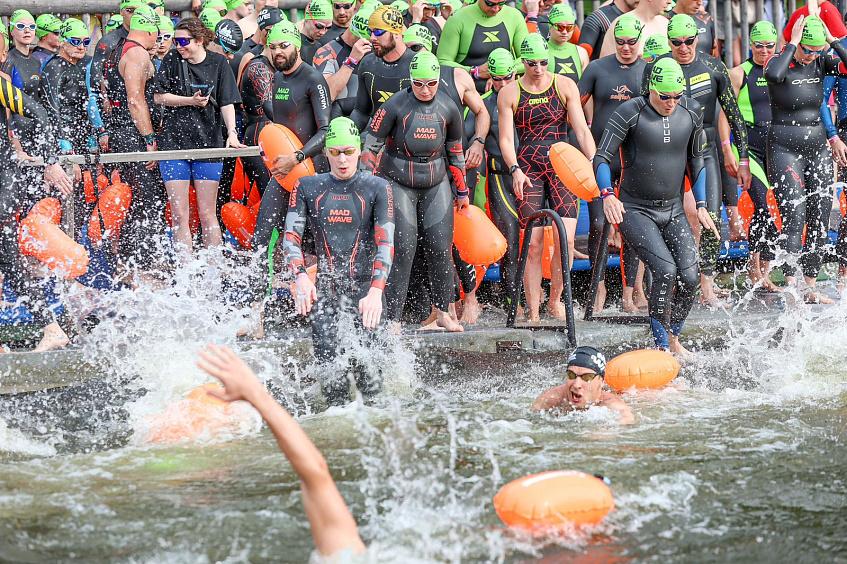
(277,140)
(554,499)
(41,238)
(197,414)
(641,369)
(574,170)
(240,220)
(476,237)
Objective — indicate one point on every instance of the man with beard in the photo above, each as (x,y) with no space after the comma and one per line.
(342,14)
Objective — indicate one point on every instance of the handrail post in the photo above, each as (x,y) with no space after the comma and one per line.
(598,269)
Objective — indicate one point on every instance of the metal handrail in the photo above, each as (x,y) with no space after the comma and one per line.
(145,156)
(566,271)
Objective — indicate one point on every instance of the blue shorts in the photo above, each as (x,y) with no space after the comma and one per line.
(188,170)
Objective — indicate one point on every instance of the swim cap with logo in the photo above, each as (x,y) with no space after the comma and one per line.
(210,18)
(269,17)
(814,34)
(114,23)
(501,62)
(233,4)
(146,19)
(343,131)
(682,25)
(561,13)
(228,34)
(131,4)
(388,18)
(590,358)
(285,31)
(19,15)
(627,26)
(534,48)
(763,31)
(319,10)
(47,23)
(418,33)
(218,5)
(656,46)
(425,66)
(359,25)
(370,5)
(667,76)
(73,27)
(166,25)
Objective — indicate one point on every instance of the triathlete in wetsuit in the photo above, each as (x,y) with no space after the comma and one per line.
(607,83)
(654,134)
(25,71)
(47,30)
(338,60)
(254,45)
(540,105)
(342,14)
(317,20)
(566,58)
(352,217)
(838,86)
(596,24)
(257,100)
(708,37)
(472,33)
(416,127)
(707,83)
(799,164)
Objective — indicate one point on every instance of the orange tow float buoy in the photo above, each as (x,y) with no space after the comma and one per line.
(746,209)
(110,212)
(554,499)
(479,242)
(189,418)
(842,202)
(41,238)
(50,208)
(574,170)
(240,221)
(277,140)
(641,369)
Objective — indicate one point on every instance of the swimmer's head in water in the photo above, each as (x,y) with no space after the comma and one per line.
(682,25)
(584,377)
(627,26)
(588,357)
(764,31)
(814,33)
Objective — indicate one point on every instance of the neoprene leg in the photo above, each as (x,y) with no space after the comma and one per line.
(435,221)
(710,247)
(785,175)
(405,244)
(501,202)
(819,174)
(680,242)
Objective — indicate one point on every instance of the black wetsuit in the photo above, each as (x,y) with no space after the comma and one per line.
(353,223)
(416,135)
(257,100)
(799,163)
(707,82)
(98,61)
(328,60)
(378,81)
(334,32)
(248,46)
(594,28)
(308,49)
(26,74)
(656,151)
(708,43)
(609,83)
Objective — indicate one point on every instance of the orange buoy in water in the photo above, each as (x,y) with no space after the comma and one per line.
(110,212)
(641,369)
(574,170)
(189,418)
(41,238)
(51,208)
(240,221)
(554,499)
(479,242)
(276,140)
(746,209)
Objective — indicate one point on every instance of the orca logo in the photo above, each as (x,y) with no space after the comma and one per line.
(806,81)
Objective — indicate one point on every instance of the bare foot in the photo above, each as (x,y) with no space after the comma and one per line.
(676,348)
(811,297)
(579,256)
(630,307)
(713,302)
(600,299)
(446,322)
(54,338)
(431,318)
(471,311)
(556,310)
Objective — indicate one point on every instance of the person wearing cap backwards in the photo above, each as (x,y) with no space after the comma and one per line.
(708,37)
(47,30)
(707,82)
(583,387)
(471,34)
(651,14)
(566,58)
(751,89)
(657,137)
(656,46)
(596,24)
(317,20)
(385,73)
(422,13)
(342,15)
(539,106)
(798,161)
(607,83)
(354,260)
(421,131)
(338,60)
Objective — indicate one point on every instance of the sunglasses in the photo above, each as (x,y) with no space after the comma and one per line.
(222,12)
(491,4)
(182,41)
(279,46)
(415,47)
(78,41)
(154,5)
(585,377)
(164,37)
(666,97)
(562,28)
(677,42)
(542,62)
(428,83)
(377,32)
(22,26)
(810,51)
(502,78)
(341,6)
(335,152)
(320,26)
(631,42)
(759,45)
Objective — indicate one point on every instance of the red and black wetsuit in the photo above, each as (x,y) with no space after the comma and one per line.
(353,225)
(257,99)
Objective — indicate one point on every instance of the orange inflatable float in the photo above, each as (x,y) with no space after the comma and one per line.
(554,499)
(641,369)
(842,202)
(574,170)
(42,238)
(110,213)
(746,209)
(50,208)
(197,414)
(479,242)
(240,221)
(276,140)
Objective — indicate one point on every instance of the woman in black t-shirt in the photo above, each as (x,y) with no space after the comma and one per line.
(199,93)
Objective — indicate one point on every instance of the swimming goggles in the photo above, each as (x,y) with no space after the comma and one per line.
(666,97)
(491,4)
(378,32)
(320,26)
(633,41)
(677,42)
(759,45)
(542,62)
(279,46)
(164,37)
(350,151)
(812,52)
(415,47)
(22,26)
(502,78)
(78,41)
(428,83)
(562,27)
(571,375)
(342,6)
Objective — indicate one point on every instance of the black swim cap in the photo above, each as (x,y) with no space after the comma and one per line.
(228,34)
(588,357)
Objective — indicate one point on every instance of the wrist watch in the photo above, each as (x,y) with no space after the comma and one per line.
(513,168)
(301,156)
(479,140)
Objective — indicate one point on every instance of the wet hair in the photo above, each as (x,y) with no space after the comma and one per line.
(196,30)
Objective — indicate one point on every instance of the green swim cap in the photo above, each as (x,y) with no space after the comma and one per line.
(210,18)
(763,31)
(682,25)
(501,62)
(319,10)
(360,27)
(166,25)
(131,4)
(814,34)
(425,66)
(419,33)
(627,26)
(370,5)
(73,27)
(146,19)
(534,48)
(47,23)
(400,5)
(114,23)
(667,76)
(343,131)
(285,31)
(560,13)
(218,5)
(656,46)
(233,4)
(19,15)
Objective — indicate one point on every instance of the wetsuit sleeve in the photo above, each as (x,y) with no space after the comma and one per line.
(49,90)
(261,80)
(726,97)
(22,104)
(448,47)
(295,225)
(319,95)
(384,236)
(586,84)
(835,65)
(696,157)
(379,130)
(826,115)
(645,79)
(776,68)
(93,108)
(617,130)
(455,155)
(364,105)
(590,33)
